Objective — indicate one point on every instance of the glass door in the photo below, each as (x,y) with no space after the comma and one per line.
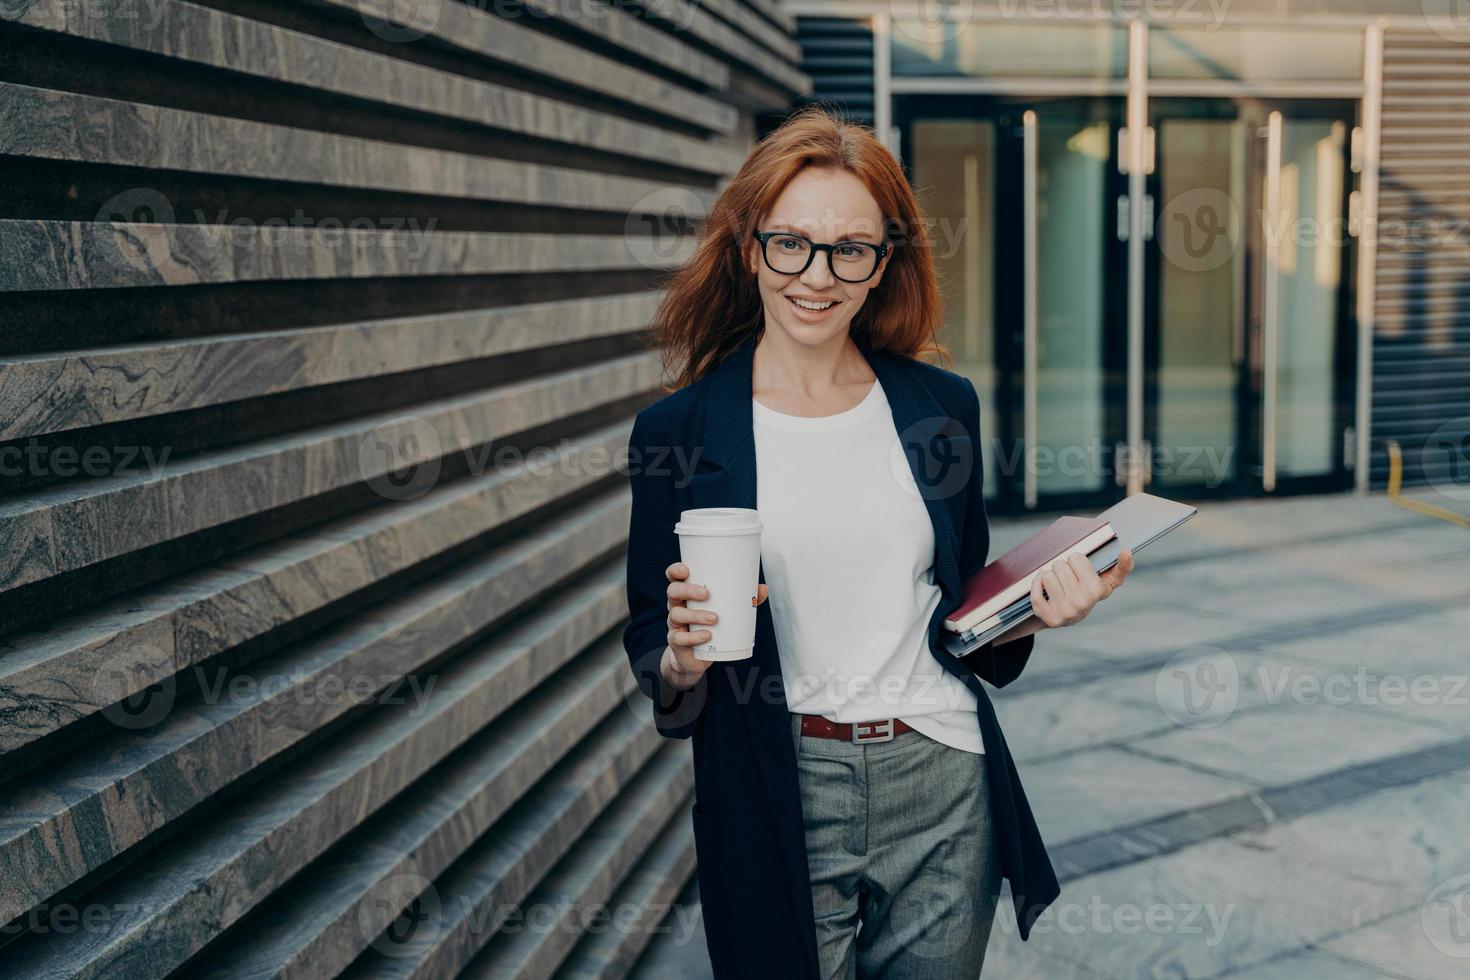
(1022,199)
(1248,346)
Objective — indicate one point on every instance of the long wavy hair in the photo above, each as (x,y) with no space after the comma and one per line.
(712,303)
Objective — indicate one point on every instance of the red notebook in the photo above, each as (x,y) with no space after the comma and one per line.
(1009,577)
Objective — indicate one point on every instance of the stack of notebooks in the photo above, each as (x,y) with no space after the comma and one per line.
(998,597)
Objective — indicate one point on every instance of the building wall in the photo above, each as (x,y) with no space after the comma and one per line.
(320,337)
(1421,350)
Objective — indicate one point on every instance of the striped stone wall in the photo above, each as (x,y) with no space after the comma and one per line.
(321,336)
(1421,349)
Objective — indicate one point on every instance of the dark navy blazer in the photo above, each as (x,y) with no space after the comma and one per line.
(696,448)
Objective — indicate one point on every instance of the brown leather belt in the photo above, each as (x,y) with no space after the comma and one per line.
(881,730)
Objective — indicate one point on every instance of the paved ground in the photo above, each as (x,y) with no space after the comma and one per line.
(1252,762)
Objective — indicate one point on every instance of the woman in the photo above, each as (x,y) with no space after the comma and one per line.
(855,802)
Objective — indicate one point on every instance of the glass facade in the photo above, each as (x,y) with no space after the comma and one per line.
(1237,295)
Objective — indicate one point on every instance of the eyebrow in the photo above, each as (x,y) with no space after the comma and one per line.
(861,236)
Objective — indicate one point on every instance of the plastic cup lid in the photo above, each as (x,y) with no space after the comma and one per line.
(719,521)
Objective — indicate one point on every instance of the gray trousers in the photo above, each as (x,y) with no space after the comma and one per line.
(904,873)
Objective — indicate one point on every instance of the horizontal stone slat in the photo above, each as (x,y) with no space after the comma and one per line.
(51,125)
(44,393)
(73,818)
(72,527)
(694,20)
(216,877)
(737,15)
(584,884)
(57,675)
(112,255)
(325,921)
(651,890)
(607,24)
(213,38)
(533,845)
(504,38)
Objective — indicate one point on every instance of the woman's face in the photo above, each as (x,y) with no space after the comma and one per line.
(826,206)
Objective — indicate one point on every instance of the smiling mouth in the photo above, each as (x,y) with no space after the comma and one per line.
(812,307)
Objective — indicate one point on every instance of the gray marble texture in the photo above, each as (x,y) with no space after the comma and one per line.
(73,669)
(77,525)
(52,125)
(63,391)
(116,255)
(57,828)
(217,39)
(557,851)
(510,40)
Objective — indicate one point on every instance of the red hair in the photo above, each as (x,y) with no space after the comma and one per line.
(712,303)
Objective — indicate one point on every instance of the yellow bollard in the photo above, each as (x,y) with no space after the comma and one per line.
(1396,485)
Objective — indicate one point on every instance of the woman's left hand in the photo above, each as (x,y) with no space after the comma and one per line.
(1065,593)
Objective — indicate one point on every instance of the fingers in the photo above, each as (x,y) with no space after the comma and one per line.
(761,593)
(686,666)
(1091,587)
(1114,576)
(1043,599)
(681,592)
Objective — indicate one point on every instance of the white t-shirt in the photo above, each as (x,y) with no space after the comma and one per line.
(848,553)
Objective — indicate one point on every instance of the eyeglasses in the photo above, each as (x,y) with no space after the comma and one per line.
(790,255)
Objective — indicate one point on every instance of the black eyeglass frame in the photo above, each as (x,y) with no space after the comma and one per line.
(765,236)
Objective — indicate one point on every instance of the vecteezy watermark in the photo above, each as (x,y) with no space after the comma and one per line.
(33,458)
(1445,916)
(70,919)
(1446,459)
(1093,460)
(658,227)
(148,14)
(1450,19)
(403,21)
(932,22)
(403,909)
(1361,686)
(137,688)
(1198,687)
(132,228)
(933,458)
(1097,916)
(1199,230)
(402,459)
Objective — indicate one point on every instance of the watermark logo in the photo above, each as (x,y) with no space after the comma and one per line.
(401,459)
(933,458)
(933,21)
(410,903)
(1446,459)
(402,21)
(1199,687)
(658,226)
(1198,230)
(1450,19)
(1445,916)
(114,234)
(125,683)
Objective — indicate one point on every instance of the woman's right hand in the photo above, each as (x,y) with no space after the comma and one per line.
(680,667)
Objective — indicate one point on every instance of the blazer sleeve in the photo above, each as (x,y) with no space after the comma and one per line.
(652,547)
(997,666)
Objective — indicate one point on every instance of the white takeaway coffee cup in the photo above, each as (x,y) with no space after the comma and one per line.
(722,547)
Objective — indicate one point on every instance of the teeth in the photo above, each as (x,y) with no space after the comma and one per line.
(814,307)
